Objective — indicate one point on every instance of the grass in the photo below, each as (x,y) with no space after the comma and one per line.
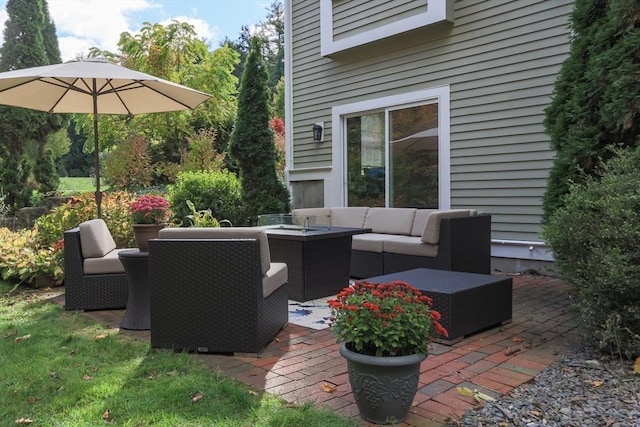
(62,369)
(73,185)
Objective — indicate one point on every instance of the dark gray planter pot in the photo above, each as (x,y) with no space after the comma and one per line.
(383,387)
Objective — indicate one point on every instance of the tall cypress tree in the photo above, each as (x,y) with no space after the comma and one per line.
(595,100)
(25,46)
(251,146)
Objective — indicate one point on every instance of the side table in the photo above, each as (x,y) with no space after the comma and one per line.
(136,267)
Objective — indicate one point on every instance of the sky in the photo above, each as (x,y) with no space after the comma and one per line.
(82,24)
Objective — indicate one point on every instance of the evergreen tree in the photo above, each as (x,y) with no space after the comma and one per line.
(251,147)
(26,29)
(595,100)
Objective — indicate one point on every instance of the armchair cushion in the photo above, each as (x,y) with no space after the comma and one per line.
(276,276)
(96,239)
(108,264)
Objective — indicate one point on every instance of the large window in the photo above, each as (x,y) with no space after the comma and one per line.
(392,157)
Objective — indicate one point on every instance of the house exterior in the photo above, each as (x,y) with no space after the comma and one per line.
(426,103)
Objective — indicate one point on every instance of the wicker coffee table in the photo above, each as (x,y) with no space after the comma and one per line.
(318,260)
(468,302)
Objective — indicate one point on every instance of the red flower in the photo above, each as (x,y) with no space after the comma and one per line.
(392,319)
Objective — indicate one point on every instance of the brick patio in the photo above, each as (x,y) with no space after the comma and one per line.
(300,361)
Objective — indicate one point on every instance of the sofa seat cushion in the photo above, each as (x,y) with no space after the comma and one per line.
(108,264)
(351,217)
(95,239)
(390,220)
(369,242)
(410,245)
(276,276)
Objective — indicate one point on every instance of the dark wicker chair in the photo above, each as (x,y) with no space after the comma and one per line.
(207,290)
(89,291)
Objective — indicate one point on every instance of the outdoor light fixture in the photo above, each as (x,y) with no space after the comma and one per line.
(317,131)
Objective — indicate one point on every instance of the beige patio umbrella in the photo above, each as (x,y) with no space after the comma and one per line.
(94,86)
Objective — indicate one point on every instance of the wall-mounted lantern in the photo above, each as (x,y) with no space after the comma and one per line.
(317,131)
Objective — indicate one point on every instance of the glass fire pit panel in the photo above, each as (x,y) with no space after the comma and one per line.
(295,222)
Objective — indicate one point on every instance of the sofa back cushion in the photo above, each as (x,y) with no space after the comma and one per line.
(431,232)
(352,217)
(95,239)
(223,233)
(311,211)
(390,220)
(420,221)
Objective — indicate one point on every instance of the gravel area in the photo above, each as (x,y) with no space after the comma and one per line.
(582,389)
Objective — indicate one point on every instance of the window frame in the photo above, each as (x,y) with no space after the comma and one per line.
(340,113)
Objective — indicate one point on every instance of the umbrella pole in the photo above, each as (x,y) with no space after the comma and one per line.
(95,151)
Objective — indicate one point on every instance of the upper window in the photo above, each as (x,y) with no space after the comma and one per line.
(345,24)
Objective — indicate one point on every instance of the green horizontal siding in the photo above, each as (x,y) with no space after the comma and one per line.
(500,59)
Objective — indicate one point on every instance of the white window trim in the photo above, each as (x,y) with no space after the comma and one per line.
(338,195)
(437,11)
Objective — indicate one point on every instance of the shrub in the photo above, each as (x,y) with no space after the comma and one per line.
(128,165)
(595,238)
(27,254)
(218,191)
(201,155)
(23,258)
(82,207)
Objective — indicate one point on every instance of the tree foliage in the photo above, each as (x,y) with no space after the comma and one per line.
(271,33)
(596,99)
(175,53)
(251,147)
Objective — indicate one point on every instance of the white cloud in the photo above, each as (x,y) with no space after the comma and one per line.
(3,17)
(82,24)
(86,23)
(202,28)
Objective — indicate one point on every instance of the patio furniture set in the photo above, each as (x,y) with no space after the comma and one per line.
(226,290)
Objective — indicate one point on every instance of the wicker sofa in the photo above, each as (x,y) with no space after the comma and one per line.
(406,238)
(94,278)
(215,290)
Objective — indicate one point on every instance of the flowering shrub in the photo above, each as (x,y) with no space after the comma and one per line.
(388,319)
(149,209)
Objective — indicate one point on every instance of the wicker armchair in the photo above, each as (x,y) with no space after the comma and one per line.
(94,278)
(215,290)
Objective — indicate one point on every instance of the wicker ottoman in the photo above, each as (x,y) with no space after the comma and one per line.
(468,302)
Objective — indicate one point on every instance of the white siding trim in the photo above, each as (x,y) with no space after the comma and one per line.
(288,87)
(437,11)
(337,194)
(521,249)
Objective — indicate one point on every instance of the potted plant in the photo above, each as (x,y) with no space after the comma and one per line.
(149,214)
(385,330)
(204,218)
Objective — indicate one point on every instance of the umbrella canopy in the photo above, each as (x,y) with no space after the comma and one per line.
(420,141)
(94,86)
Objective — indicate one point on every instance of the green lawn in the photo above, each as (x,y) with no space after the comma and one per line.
(69,186)
(61,369)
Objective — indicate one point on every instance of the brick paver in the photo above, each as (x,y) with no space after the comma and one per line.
(300,361)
